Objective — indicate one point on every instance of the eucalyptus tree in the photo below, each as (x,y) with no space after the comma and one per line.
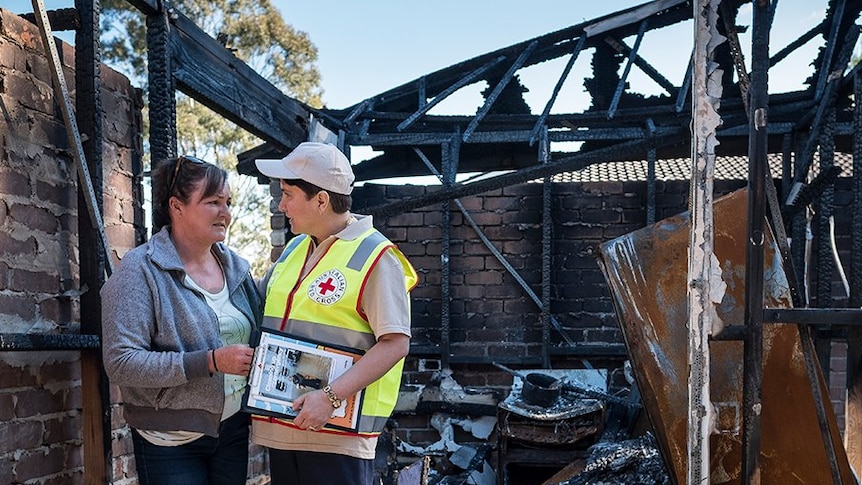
(255,31)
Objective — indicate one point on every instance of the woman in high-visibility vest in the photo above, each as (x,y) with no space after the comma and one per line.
(339,282)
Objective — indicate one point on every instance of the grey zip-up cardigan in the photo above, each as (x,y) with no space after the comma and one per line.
(157,333)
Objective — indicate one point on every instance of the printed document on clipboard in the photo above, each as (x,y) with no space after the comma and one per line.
(285,367)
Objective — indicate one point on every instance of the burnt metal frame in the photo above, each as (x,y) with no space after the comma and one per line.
(820,116)
(378,115)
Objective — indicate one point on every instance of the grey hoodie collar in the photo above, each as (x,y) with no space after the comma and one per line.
(164,254)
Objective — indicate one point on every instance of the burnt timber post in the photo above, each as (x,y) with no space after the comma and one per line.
(95,391)
(853,404)
(757,150)
(702,263)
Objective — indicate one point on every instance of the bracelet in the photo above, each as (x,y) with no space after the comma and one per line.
(215,366)
(333,399)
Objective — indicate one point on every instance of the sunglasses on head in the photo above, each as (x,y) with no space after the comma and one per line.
(180,160)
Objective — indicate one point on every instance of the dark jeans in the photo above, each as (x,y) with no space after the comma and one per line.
(204,461)
(310,468)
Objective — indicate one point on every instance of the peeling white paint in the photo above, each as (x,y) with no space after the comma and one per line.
(409,399)
(706,287)
(451,391)
(443,424)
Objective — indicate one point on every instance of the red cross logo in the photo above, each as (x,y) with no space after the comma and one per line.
(326,286)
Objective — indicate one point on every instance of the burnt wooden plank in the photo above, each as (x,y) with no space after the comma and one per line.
(162,91)
(208,72)
(443,95)
(393,139)
(802,40)
(489,101)
(630,59)
(94,264)
(147,7)
(639,61)
(630,16)
(42,341)
(563,76)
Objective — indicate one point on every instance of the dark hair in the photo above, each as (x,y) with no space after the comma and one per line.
(340,203)
(169,178)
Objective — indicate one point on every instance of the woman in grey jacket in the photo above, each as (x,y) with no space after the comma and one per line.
(178,314)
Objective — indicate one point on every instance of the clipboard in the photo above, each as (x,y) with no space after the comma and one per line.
(285,367)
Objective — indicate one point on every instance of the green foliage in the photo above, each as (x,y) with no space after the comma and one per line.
(256,33)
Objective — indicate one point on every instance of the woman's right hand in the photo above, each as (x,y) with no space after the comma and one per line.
(232,359)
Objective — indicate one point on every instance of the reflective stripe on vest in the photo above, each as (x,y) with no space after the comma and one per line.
(324,306)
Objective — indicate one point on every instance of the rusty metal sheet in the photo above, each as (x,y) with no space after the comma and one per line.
(647,272)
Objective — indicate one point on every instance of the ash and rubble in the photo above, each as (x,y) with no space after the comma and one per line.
(600,428)
(632,462)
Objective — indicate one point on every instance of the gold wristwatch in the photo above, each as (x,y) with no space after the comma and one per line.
(333,399)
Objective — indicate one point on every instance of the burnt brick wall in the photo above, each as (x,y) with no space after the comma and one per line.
(41,434)
(492,319)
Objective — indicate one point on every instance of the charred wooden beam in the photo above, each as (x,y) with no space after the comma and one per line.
(853,409)
(520,136)
(489,101)
(210,73)
(32,342)
(826,101)
(728,17)
(682,94)
(550,46)
(574,162)
(630,58)
(645,66)
(94,264)
(802,40)
(147,7)
(565,74)
(425,107)
(162,97)
(752,384)
(629,17)
(824,73)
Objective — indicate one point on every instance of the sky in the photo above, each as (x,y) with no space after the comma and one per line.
(368,47)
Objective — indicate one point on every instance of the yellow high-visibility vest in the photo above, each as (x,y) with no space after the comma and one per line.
(325,307)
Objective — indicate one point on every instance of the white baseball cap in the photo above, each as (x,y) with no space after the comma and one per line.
(321,164)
